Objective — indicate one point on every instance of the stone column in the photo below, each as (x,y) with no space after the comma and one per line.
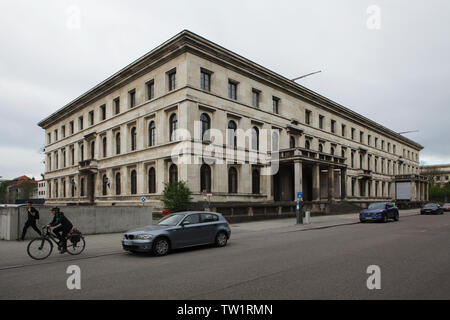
(298,178)
(344,183)
(316,182)
(330,183)
(140,177)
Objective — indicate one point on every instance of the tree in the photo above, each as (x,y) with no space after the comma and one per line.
(27,188)
(438,193)
(176,196)
(4,191)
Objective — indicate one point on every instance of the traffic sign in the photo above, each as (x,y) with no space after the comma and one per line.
(299,195)
(143,199)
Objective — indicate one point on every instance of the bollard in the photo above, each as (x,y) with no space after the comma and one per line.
(307,217)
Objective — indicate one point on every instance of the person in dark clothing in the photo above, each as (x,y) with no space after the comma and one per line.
(63,229)
(33,215)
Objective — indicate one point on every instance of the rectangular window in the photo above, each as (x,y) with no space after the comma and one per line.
(172,80)
(56,135)
(103,112)
(132,98)
(382,144)
(307,117)
(333,126)
(71,127)
(255,98)
(205,79)
(361,137)
(369,139)
(275,104)
(150,89)
(232,90)
(63,131)
(116,104)
(376,142)
(91,117)
(321,121)
(80,123)
(343,130)
(49,138)
(353,133)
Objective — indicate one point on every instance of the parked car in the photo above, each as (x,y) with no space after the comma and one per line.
(446,207)
(179,230)
(379,211)
(431,208)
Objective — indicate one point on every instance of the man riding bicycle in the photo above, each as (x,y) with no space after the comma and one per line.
(63,229)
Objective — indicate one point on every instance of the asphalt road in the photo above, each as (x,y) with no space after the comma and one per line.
(413,255)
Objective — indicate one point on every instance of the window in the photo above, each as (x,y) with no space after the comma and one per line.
(369,139)
(72,188)
(173,122)
(376,142)
(63,131)
(353,133)
(72,155)
(133,138)
(332,150)
(56,135)
(205,79)
(307,144)
(255,98)
(150,89)
(275,139)
(91,117)
(63,187)
(382,144)
(361,137)
(151,134)
(389,147)
(333,126)
(232,180)
(104,184)
(255,138)
(208,217)
(80,123)
(172,80)
(291,142)
(56,160)
(307,117)
(255,181)
(82,187)
(118,183)
(275,104)
(92,149)
(103,112)
(206,125)
(64,158)
(192,218)
(104,146)
(173,173)
(118,143)
(205,178)
(231,134)
(321,122)
(49,138)
(133,182)
(343,130)
(320,147)
(232,92)
(353,159)
(151,180)
(71,127)
(132,97)
(116,104)
(82,152)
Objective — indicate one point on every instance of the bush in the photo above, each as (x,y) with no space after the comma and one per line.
(176,196)
(437,193)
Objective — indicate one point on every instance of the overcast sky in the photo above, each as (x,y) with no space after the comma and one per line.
(397,75)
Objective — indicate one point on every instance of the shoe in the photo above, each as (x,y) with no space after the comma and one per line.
(62,251)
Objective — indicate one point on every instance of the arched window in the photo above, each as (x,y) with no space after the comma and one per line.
(151,134)
(320,147)
(232,180)
(151,180)
(206,125)
(133,138)
(307,144)
(291,142)
(205,178)
(82,187)
(104,147)
(133,182)
(104,184)
(118,143)
(255,181)
(232,139)
(173,173)
(255,138)
(92,149)
(275,144)
(82,152)
(118,187)
(173,124)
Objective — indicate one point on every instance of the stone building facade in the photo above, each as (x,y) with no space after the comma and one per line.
(438,174)
(240,131)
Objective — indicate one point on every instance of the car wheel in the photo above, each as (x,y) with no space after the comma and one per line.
(221,239)
(161,247)
(385,218)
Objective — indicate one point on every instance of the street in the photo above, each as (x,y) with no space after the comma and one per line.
(281,262)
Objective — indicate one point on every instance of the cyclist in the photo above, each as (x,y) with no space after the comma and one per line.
(62,230)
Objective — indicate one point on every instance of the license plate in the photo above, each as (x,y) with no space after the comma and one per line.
(127,242)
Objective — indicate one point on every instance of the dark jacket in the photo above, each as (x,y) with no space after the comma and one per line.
(60,218)
(35,212)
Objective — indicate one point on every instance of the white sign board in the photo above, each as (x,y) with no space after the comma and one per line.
(403,190)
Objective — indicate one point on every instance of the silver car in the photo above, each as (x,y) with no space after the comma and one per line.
(179,230)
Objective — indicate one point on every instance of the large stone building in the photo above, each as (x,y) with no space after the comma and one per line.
(438,174)
(269,137)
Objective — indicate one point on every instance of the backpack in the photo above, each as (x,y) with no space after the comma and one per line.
(75,235)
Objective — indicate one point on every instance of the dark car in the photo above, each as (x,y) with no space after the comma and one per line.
(179,230)
(431,208)
(446,207)
(379,211)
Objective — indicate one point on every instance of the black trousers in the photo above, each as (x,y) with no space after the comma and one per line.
(61,233)
(30,223)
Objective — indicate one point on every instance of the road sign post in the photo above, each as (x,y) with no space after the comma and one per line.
(298,208)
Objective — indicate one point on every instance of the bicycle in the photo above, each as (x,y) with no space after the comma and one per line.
(40,248)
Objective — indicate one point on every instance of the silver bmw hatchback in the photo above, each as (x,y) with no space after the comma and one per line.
(179,230)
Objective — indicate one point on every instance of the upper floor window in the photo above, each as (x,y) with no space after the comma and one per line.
(91,117)
(307,117)
(275,104)
(291,142)
(103,112)
(56,135)
(206,125)
(205,79)
(173,173)
(133,182)
(63,131)
(172,79)
(361,137)
(173,123)
(231,134)
(118,183)
(104,147)
(307,144)
(333,126)
(71,127)
(116,104)
(151,134)
(151,180)
(382,144)
(118,143)
(255,98)
(205,178)
(343,130)
(353,133)
(150,89)
(232,90)
(133,138)
(321,121)
(132,97)
(49,138)
(369,139)
(232,180)
(255,138)
(80,123)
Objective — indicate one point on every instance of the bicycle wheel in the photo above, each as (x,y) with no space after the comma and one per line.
(39,248)
(77,247)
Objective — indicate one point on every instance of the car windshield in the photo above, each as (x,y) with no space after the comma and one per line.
(376,206)
(430,205)
(171,220)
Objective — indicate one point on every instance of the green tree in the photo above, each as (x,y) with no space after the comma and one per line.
(27,188)
(176,196)
(3,191)
(438,193)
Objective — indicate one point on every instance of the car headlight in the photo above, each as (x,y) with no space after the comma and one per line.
(144,236)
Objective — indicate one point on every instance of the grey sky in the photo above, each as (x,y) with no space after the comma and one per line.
(398,75)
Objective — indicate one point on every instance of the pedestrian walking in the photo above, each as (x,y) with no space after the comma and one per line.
(33,215)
